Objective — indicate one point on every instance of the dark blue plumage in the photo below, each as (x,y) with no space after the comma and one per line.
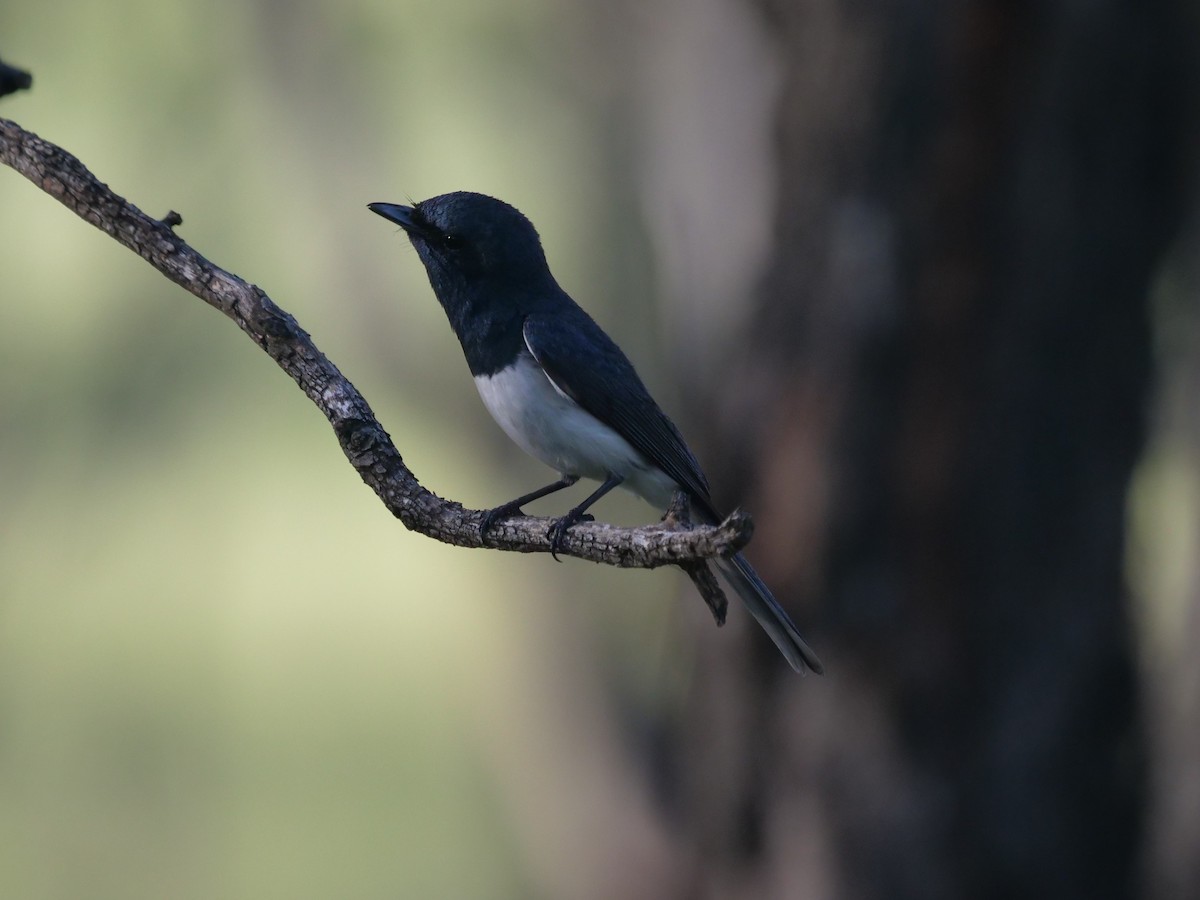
(556,383)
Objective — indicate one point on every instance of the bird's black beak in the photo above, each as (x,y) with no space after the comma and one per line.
(393,212)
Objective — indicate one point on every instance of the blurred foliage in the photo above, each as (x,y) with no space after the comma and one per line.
(225,670)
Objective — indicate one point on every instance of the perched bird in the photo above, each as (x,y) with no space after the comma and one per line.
(557,384)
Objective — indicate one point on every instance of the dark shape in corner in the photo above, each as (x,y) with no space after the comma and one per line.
(13,79)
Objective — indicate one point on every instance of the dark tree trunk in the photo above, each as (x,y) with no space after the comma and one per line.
(953,358)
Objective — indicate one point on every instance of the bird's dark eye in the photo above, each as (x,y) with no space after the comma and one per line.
(452,242)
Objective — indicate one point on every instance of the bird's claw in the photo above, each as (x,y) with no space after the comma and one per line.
(558,532)
(492,516)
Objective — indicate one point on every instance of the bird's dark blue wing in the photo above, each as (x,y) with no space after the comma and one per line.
(586,365)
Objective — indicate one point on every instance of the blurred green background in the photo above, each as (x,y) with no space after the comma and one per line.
(225,670)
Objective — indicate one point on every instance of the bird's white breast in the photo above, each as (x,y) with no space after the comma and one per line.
(551,427)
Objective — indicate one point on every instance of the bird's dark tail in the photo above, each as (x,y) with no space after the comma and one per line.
(770,615)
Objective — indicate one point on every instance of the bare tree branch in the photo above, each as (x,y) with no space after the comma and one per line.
(366,445)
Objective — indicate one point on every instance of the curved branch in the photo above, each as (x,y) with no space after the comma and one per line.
(366,445)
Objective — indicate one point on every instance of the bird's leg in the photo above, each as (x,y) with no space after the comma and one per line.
(559,529)
(492,516)
(678,514)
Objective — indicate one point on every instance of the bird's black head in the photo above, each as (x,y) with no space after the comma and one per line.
(478,250)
